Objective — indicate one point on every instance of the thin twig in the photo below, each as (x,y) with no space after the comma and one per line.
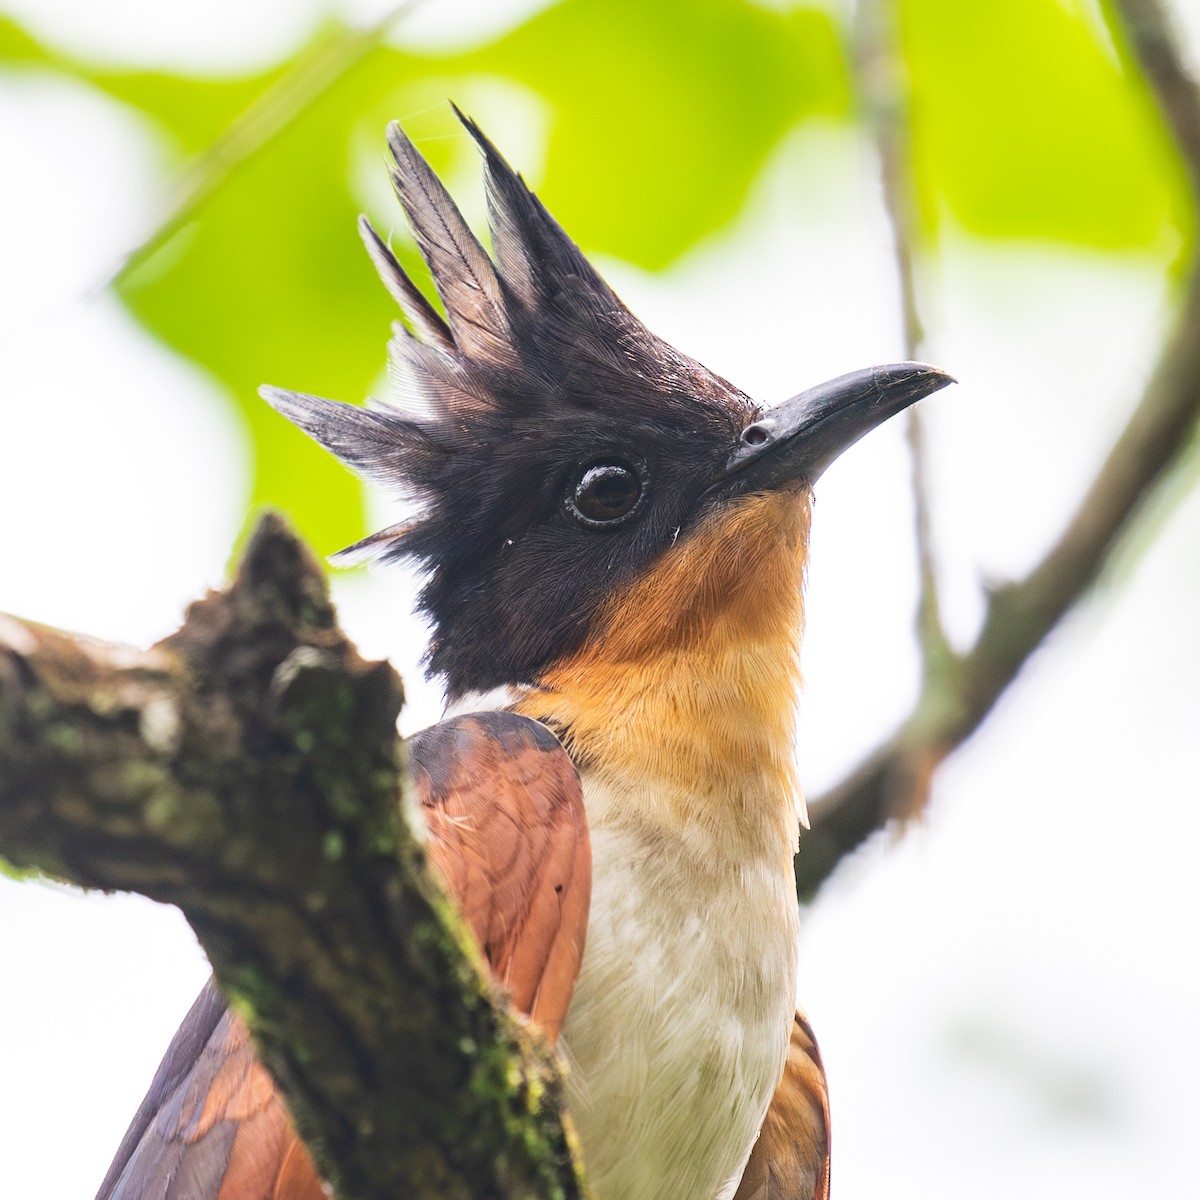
(893,780)
(883,85)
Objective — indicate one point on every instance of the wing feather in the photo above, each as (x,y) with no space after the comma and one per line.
(790,1160)
(509,835)
(507,832)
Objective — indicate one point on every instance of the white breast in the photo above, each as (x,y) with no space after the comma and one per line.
(678,1029)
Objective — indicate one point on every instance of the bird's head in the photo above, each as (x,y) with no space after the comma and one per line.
(559,451)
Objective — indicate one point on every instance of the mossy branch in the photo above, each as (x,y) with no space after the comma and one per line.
(248,770)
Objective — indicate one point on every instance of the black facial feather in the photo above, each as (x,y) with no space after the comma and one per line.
(538,374)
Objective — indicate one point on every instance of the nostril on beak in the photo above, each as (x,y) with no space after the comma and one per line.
(755,435)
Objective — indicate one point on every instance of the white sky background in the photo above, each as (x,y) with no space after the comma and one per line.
(1006,998)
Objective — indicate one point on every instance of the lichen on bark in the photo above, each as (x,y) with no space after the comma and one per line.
(248,770)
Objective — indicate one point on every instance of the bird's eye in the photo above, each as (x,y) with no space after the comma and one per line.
(605,494)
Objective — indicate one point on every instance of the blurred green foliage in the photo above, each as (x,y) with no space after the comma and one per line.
(656,121)
(1030,121)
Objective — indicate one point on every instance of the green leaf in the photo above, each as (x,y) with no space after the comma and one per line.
(665,113)
(1028,124)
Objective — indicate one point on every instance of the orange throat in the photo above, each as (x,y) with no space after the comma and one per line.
(688,684)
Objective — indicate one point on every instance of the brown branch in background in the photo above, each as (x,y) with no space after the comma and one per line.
(893,781)
(247,769)
(883,85)
(1148,30)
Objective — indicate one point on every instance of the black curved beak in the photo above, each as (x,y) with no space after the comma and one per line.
(795,441)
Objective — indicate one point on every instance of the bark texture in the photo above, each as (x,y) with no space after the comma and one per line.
(248,770)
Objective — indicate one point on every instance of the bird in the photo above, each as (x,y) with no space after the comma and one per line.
(613,543)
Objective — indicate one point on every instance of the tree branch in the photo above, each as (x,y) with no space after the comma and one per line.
(893,781)
(247,769)
(883,83)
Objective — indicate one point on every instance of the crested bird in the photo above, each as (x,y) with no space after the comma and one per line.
(613,541)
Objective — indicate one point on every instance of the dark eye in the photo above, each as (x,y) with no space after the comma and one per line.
(605,494)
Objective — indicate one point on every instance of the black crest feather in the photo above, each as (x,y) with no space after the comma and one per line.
(536,364)
(420,313)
